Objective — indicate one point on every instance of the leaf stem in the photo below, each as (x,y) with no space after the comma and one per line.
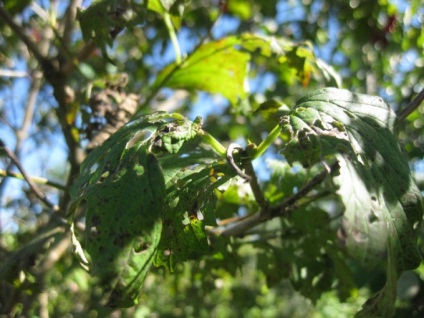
(215,144)
(173,36)
(31,184)
(291,203)
(264,145)
(158,87)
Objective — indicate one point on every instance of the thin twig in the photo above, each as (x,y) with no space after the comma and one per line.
(22,132)
(69,22)
(158,87)
(28,179)
(38,180)
(13,73)
(413,105)
(256,189)
(286,206)
(291,201)
(18,30)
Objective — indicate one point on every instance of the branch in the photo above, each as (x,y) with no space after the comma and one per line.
(256,189)
(31,184)
(285,207)
(35,87)
(12,73)
(18,30)
(69,21)
(84,54)
(38,180)
(413,105)
(22,132)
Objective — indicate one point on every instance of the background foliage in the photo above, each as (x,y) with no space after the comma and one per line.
(74,72)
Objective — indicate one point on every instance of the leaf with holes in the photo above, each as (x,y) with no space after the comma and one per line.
(191,180)
(148,194)
(383,204)
(122,188)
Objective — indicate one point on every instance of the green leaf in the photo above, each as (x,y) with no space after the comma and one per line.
(383,204)
(104,19)
(240,8)
(160,6)
(190,203)
(96,24)
(382,303)
(15,7)
(293,60)
(216,67)
(148,194)
(330,75)
(122,188)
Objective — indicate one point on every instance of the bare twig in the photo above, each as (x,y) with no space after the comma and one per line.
(158,87)
(291,201)
(285,207)
(52,69)
(413,105)
(69,21)
(256,189)
(22,132)
(13,73)
(18,30)
(38,180)
(28,179)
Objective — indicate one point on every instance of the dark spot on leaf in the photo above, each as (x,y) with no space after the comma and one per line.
(372,217)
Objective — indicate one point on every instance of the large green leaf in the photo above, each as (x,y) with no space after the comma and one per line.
(215,67)
(148,194)
(190,203)
(383,204)
(220,67)
(122,187)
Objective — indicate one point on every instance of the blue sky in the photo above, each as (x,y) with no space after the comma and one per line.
(41,161)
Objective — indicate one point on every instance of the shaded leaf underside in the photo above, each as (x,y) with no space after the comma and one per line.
(382,203)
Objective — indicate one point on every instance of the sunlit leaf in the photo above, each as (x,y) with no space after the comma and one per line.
(240,8)
(122,188)
(190,204)
(148,194)
(383,204)
(215,67)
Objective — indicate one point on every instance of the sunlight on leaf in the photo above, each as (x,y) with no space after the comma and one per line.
(383,204)
(216,67)
(122,187)
(148,194)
